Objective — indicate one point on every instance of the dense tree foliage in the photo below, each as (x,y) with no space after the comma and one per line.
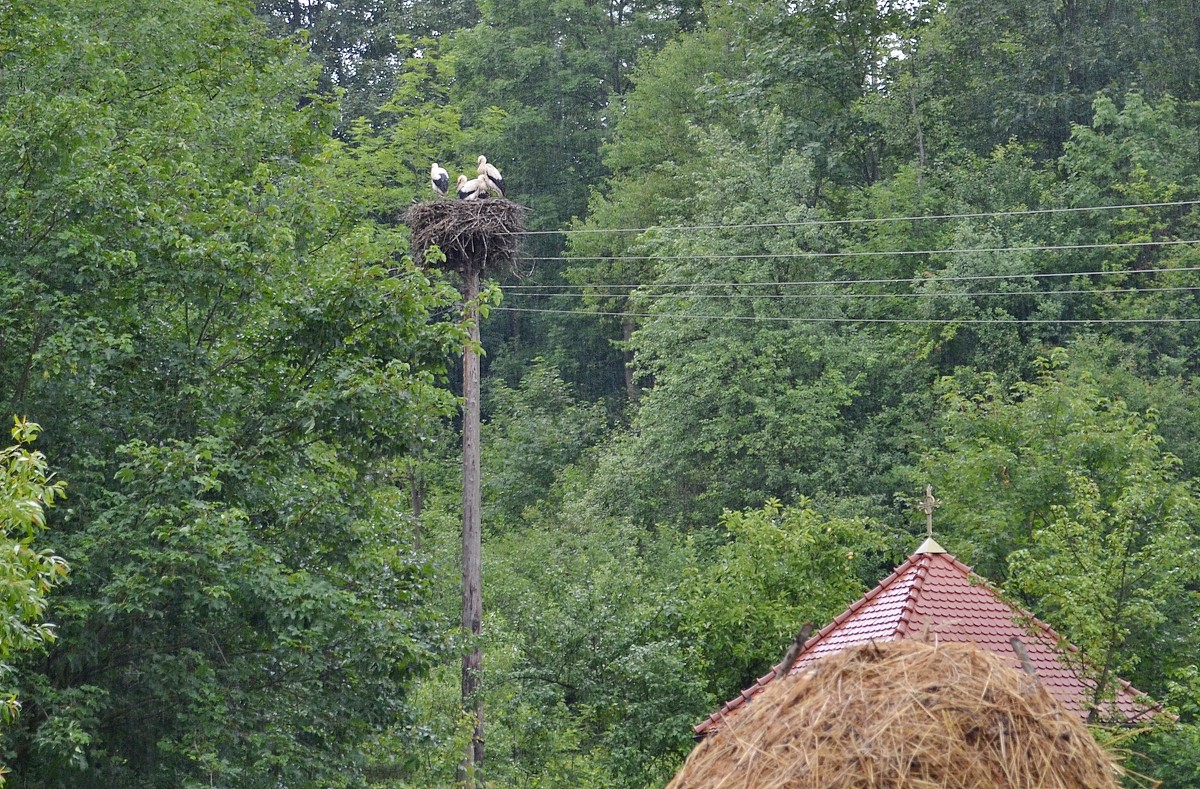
(361,44)
(29,574)
(227,356)
(793,261)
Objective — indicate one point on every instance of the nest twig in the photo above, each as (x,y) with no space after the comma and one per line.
(470,233)
(902,714)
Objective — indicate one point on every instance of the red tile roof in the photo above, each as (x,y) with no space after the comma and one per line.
(934,595)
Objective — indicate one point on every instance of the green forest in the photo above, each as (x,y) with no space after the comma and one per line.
(787,263)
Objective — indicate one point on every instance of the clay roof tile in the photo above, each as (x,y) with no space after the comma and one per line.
(933,594)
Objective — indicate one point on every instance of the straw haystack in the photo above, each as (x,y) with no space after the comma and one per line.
(902,714)
(482,234)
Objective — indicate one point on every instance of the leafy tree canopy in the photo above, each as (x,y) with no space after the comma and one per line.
(229,354)
(29,574)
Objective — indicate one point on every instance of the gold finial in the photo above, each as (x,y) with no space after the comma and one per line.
(927,506)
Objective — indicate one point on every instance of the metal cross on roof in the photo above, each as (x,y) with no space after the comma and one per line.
(927,506)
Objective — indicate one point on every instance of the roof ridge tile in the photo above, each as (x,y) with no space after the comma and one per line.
(910,602)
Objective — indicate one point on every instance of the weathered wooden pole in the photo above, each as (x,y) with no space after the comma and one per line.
(472,535)
(471,236)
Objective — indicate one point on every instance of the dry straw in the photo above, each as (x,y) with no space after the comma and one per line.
(470,233)
(902,714)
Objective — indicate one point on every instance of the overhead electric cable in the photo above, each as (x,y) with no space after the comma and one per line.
(877,281)
(874,253)
(864,220)
(786,319)
(912,294)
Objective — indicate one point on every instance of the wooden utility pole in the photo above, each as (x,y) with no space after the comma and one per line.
(470,235)
(472,533)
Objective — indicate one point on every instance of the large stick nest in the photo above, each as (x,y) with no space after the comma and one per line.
(902,714)
(470,233)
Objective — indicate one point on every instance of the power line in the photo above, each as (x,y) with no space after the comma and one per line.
(873,253)
(913,294)
(878,281)
(784,319)
(865,220)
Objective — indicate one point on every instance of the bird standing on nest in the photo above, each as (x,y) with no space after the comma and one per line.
(473,189)
(439,179)
(490,175)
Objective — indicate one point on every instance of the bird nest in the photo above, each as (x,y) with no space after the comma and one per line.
(470,233)
(902,714)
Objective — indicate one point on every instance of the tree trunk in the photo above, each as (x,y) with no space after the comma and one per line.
(416,493)
(472,539)
(631,387)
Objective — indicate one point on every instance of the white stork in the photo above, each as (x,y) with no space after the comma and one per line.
(439,178)
(490,174)
(472,189)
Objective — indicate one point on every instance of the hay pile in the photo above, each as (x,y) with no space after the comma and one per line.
(902,714)
(469,233)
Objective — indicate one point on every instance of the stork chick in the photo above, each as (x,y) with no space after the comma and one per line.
(472,189)
(439,179)
(491,175)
